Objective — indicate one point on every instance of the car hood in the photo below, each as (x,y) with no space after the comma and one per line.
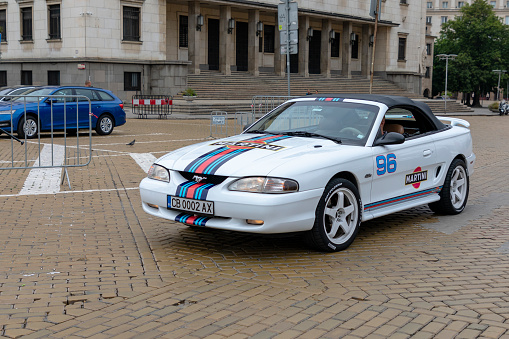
(255,154)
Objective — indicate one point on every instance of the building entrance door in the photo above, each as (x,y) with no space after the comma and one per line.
(241,40)
(213,44)
(314,52)
(294,63)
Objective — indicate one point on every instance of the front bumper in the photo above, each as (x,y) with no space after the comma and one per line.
(281,213)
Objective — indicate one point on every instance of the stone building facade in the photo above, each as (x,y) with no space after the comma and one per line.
(149,46)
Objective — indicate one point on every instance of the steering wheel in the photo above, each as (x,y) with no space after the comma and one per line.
(354,132)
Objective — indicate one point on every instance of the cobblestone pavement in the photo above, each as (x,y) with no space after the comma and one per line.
(87,262)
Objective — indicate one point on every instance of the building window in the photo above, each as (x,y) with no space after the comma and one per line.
(132,81)
(54,21)
(26,77)
(131,22)
(461,4)
(183,31)
(444,19)
(401,49)
(3,24)
(334,46)
(493,4)
(268,38)
(428,20)
(26,24)
(507,4)
(506,22)
(403,2)
(3,78)
(429,4)
(428,72)
(445,4)
(53,78)
(428,49)
(355,47)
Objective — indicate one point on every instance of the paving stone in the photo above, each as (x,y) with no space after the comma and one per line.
(89,259)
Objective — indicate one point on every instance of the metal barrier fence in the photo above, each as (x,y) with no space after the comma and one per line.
(145,105)
(218,123)
(242,120)
(28,116)
(262,104)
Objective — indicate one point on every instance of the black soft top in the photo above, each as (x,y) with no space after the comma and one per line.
(391,101)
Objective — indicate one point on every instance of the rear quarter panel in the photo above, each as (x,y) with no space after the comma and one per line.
(451,143)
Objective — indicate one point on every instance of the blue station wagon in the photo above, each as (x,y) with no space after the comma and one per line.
(65,108)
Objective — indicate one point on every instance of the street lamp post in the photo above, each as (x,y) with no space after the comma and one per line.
(499,71)
(446,57)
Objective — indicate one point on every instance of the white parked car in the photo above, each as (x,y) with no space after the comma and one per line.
(321,165)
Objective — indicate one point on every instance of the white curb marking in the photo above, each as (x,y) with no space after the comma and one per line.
(45,180)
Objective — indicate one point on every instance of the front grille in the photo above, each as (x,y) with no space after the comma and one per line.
(208,179)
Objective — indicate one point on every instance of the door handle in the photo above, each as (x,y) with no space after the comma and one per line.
(427,153)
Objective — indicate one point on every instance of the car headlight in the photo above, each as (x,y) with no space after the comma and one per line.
(264,185)
(158,172)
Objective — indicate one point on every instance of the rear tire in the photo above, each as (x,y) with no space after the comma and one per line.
(338,217)
(454,194)
(104,124)
(28,127)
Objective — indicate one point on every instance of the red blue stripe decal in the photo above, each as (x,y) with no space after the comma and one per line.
(193,190)
(401,199)
(210,162)
(192,219)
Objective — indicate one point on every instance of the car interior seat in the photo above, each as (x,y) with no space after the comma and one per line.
(394,128)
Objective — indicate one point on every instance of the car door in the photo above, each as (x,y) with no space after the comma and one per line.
(60,107)
(403,172)
(88,101)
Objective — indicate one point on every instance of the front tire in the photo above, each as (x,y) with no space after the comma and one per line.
(454,194)
(338,217)
(28,128)
(104,125)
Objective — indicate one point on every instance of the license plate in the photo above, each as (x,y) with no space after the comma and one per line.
(191,205)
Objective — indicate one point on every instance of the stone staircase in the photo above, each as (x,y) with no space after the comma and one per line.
(234,93)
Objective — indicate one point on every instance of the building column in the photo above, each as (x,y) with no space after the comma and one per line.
(253,43)
(346,51)
(226,42)
(279,59)
(194,50)
(303,46)
(325,64)
(365,51)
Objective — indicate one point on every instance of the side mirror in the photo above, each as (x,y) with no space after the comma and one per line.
(391,138)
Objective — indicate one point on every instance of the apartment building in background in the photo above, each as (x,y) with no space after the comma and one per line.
(441,11)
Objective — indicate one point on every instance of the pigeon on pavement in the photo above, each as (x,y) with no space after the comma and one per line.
(131,143)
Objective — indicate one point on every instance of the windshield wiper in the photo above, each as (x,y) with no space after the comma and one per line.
(311,135)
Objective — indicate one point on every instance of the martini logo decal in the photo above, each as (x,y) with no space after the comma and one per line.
(416,177)
(210,162)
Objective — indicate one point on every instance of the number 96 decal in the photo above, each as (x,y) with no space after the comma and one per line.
(386,164)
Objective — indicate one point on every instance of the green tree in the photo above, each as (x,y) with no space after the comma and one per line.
(481,41)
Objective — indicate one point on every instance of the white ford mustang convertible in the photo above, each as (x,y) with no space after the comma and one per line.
(321,165)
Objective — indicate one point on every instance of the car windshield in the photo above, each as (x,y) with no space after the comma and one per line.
(345,122)
(34,95)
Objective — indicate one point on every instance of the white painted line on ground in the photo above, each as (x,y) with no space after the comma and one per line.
(150,142)
(72,192)
(144,160)
(45,180)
